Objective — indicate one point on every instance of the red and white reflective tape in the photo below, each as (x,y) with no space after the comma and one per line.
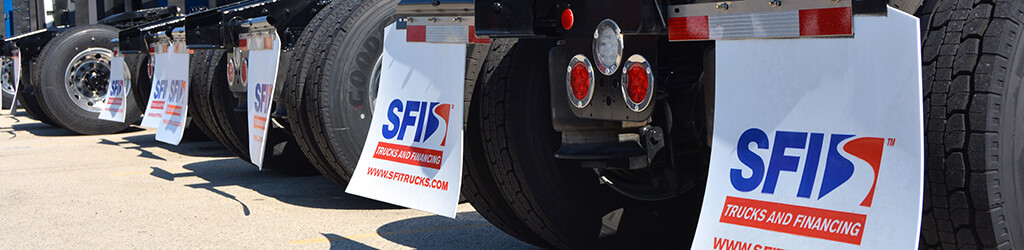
(256,41)
(443,34)
(159,47)
(832,21)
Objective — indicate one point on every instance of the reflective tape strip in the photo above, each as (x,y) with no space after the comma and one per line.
(773,24)
(443,34)
(256,42)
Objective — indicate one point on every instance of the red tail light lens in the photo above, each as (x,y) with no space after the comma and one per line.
(231,71)
(637,83)
(567,19)
(579,81)
(243,72)
(637,87)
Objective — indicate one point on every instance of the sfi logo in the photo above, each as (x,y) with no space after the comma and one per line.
(177,90)
(838,169)
(421,115)
(263,94)
(116,88)
(158,89)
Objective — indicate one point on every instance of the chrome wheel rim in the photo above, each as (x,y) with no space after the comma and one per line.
(7,76)
(374,82)
(86,78)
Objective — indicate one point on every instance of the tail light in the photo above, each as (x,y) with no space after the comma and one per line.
(243,72)
(150,66)
(607,47)
(231,71)
(637,83)
(579,81)
(567,19)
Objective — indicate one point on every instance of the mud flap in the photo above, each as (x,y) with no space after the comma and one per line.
(175,81)
(157,96)
(15,79)
(114,106)
(260,80)
(413,153)
(818,143)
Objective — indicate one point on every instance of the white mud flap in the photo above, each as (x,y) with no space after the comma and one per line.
(157,94)
(15,80)
(260,79)
(818,143)
(413,153)
(113,106)
(172,126)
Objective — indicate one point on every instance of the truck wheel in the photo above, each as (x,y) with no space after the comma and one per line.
(6,84)
(559,200)
(72,73)
(333,70)
(974,124)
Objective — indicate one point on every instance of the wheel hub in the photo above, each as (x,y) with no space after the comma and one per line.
(86,78)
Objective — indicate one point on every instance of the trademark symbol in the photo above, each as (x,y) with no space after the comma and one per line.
(890,142)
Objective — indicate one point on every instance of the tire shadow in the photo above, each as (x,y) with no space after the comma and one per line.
(308,191)
(468,230)
(144,142)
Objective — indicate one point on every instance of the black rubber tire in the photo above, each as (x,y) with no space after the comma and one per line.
(52,95)
(6,100)
(203,104)
(974,120)
(142,83)
(478,184)
(558,200)
(27,101)
(335,54)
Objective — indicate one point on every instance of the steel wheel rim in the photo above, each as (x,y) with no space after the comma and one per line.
(86,77)
(6,75)
(374,82)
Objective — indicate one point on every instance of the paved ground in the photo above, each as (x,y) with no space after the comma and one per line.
(59,190)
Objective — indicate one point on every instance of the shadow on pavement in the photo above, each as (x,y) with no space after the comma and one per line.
(468,230)
(46,130)
(339,242)
(188,148)
(309,191)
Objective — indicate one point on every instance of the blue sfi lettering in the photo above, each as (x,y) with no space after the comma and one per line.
(810,165)
(750,159)
(390,130)
(409,119)
(779,161)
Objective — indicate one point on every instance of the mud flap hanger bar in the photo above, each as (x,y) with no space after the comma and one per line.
(138,39)
(219,28)
(438,21)
(30,44)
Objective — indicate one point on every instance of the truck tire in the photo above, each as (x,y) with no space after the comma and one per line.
(478,184)
(336,54)
(71,73)
(142,80)
(28,102)
(202,100)
(558,200)
(974,124)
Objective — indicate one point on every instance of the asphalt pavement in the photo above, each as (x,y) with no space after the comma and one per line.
(126,190)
